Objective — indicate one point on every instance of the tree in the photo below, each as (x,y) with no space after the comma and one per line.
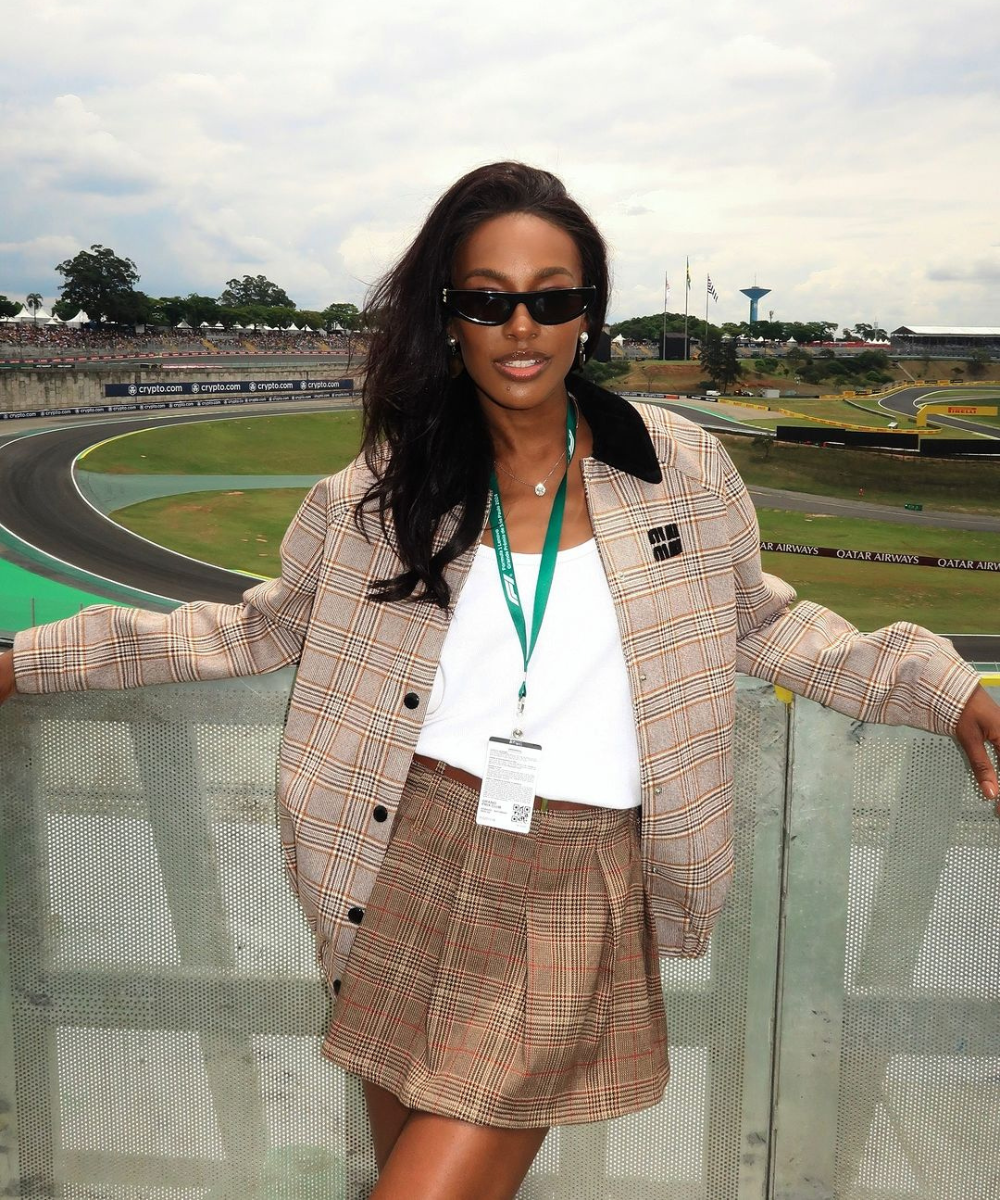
(201,308)
(168,310)
(254,290)
(9,308)
(102,284)
(34,303)
(864,332)
(345,315)
(979,360)
(718,357)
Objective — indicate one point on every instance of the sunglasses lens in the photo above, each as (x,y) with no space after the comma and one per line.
(487,308)
(556,306)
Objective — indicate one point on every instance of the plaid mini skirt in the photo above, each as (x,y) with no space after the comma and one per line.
(501,978)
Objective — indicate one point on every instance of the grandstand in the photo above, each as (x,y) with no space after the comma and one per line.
(27,340)
(945,340)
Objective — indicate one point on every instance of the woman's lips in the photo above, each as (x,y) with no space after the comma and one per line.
(521,367)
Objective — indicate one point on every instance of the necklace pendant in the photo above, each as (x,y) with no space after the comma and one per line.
(539,489)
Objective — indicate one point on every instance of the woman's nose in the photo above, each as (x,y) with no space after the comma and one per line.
(520,323)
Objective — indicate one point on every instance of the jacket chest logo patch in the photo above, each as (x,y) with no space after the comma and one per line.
(665,540)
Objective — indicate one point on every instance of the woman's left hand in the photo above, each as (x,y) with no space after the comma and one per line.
(978,725)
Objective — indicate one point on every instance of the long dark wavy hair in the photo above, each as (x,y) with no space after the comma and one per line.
(425,438)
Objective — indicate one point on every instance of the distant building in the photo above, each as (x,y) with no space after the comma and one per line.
(945,339)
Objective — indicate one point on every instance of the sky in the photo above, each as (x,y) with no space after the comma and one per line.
(845,155)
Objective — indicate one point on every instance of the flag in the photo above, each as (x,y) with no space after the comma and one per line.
(711,289)
(687,265)
(666,287)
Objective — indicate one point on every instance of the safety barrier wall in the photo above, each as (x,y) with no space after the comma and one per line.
(160,1011)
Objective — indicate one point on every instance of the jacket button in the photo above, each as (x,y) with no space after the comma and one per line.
(658,791)
(336,987)
(355,915)
(642,677)
(380,812)
(411,700)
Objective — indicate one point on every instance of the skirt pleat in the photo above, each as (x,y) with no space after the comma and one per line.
(502,978)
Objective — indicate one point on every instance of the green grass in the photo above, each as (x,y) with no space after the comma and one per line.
(241,531)
(294,444)
(818,529)
(871,595)
(887,478)
(836,410)
(874,594)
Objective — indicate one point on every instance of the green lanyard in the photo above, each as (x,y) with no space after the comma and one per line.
(547,568)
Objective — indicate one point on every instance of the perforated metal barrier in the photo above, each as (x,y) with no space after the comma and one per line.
(160,1011)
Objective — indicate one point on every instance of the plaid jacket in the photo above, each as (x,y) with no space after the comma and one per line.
(678,537)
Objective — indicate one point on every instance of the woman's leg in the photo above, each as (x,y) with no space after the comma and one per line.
(386,1117)
(439,1158)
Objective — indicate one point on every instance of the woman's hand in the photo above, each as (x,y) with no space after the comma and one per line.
(7,688)
(980,724)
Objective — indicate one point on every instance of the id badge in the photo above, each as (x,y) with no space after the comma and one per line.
(507,797)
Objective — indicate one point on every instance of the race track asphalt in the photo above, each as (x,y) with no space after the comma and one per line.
(905,403)
(40,504)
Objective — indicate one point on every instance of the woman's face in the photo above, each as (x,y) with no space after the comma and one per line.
(520,364)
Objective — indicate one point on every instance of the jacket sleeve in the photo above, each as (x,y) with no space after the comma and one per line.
(899,675)
(106,646)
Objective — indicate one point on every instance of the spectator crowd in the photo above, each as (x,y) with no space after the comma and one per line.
(22,339)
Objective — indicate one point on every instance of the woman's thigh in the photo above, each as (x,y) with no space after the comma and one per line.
(440,1158)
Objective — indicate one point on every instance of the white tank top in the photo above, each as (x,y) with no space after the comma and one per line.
(578,707)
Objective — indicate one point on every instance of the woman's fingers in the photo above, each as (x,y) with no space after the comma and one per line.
(979,726)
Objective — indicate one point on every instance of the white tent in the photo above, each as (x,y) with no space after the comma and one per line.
(34,317)
(81,318)
(204,325)
(182,325)
(218,325)
(53,320)
(237,325)
(293,328)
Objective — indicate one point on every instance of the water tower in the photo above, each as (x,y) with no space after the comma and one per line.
(756,294)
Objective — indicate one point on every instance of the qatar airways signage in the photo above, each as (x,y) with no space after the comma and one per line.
(258,387)
(882,556)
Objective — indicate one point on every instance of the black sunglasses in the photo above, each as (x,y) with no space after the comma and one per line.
(553,306)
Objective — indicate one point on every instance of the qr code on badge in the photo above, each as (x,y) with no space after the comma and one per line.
(520,814)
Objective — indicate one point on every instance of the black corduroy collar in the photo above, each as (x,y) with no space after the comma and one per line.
(621,438)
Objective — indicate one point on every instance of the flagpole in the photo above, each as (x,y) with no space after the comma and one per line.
(687,293)
(666,293)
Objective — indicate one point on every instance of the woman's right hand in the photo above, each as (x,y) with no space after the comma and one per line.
(7,688)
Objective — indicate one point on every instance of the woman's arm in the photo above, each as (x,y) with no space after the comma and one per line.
(900,675)
(7,688)
(112,647)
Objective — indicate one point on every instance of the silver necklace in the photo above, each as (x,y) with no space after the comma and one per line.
(539,488)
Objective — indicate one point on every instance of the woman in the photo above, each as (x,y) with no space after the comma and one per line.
(488,914)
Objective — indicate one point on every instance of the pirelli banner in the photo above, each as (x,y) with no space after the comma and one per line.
(208,387)
(882,556)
